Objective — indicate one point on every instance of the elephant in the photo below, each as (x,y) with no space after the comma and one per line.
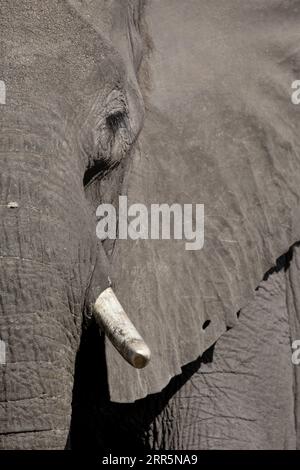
(164,102)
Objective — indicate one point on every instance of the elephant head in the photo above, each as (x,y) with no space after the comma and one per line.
(220,130)
(71,114)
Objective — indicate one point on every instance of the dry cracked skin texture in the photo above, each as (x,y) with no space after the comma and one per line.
(221,130)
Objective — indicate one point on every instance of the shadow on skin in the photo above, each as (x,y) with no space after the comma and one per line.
(101,425)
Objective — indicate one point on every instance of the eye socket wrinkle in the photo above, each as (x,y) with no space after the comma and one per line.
(114,129)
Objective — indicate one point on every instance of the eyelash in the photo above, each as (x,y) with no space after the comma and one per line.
(115,121)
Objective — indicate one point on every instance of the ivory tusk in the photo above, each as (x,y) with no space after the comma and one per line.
(113,321)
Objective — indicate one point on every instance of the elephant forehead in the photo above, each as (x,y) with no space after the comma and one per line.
(54,36)
(53,57)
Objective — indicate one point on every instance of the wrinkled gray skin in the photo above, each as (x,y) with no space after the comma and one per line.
(70,112)
(68,132)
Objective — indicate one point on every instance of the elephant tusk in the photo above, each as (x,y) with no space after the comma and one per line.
(113,321)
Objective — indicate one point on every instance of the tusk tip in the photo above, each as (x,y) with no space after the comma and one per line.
(140,355)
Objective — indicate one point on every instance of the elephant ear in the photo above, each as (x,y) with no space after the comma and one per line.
(221,130)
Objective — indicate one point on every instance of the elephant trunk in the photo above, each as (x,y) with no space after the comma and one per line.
(41,342)
(41,302)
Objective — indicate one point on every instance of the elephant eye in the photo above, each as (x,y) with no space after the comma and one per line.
(114,137)
(115,121)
